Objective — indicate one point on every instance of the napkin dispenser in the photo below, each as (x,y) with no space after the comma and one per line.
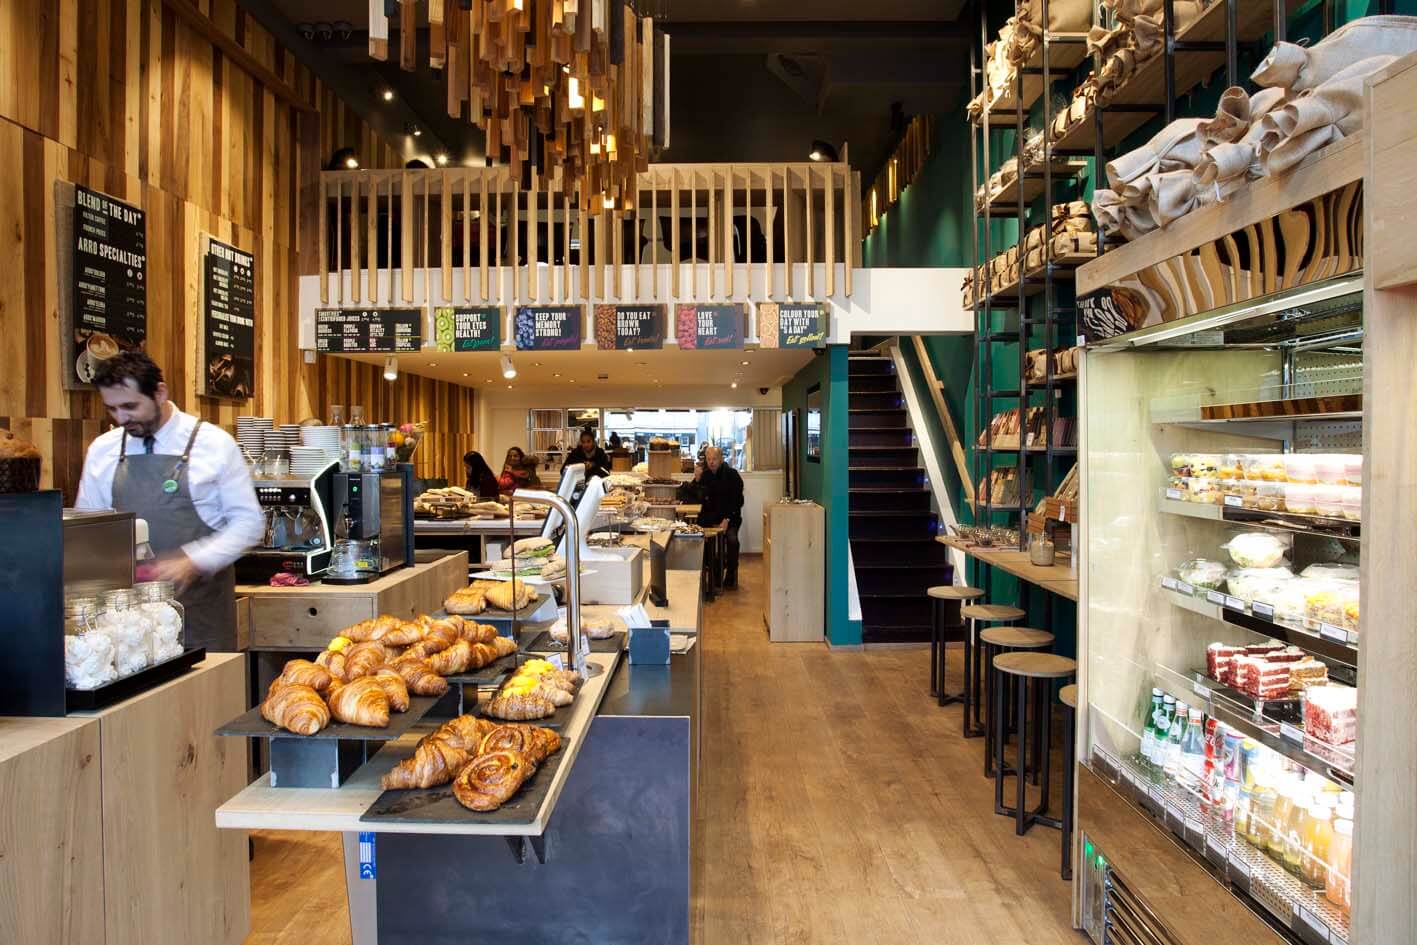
(649,639)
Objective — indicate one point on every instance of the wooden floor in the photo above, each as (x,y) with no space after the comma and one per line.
(839,804)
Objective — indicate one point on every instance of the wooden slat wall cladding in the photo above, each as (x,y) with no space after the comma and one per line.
(799,213)
(133,99)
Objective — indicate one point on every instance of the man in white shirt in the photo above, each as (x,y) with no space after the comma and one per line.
(187,480)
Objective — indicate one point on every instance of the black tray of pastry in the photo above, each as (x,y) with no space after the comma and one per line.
(544,643)
(489,675)
(252,725)
(76,700)
(437,805)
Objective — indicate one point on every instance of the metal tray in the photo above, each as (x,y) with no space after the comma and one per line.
(543,643)
(439,806)
(252,725)
(78,700)
(498,617)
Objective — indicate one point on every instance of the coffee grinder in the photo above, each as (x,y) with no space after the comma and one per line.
(373,524)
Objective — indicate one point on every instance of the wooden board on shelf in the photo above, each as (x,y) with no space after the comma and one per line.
(1294,407)
(1005,199)
(1065,52)
(1081,138)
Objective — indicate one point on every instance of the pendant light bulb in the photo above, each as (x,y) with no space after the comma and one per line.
(391,368)
(509,370)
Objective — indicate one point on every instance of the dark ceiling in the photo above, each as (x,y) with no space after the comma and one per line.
(750,80)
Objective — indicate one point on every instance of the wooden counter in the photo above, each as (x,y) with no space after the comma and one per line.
(305,618)
(1058,579)
(108,833)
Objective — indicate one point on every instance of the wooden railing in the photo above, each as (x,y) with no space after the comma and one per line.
(476,235)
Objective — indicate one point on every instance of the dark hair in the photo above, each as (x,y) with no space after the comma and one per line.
(587,431)
(476,464)
(520,452)
(127,366)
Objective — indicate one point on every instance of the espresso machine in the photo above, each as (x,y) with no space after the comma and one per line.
(373,524)
(298,534)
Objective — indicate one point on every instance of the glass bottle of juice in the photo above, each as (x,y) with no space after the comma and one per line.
(1337,888)
(1283,807)
(1318,836)
(1295,826)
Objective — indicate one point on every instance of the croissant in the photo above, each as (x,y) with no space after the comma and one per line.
(505,646)
(306,673)
(510,595)
(394,688)
(367,630)
(363,659)
(482,655)
(333,661)
(400,634)
(465,731)
(455,659)
(361,702)
(535,742)
(421,678)
(295,708)
(490,780)
(469,600)
(519,706)
(474,632)
(438,635)
(435,761)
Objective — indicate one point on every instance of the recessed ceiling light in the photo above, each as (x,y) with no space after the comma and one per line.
(555,375)
(509,387)
(464,374)
(388,95)
(734,384)
(489,380)
(432,363)
(536,364)
(745,363)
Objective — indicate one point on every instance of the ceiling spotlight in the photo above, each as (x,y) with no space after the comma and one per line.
(734,384)
(442,159)
(464,374)
(344,159)
(609,202)
(555,375)
(387,95)
(509,370)
(391,368)
(822,151)
(417,132)
(432,363)
(489,380)
(744,363)
(536,364)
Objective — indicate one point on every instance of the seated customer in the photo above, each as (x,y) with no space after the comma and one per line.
(596,462)
(518,472)
(692,492)
(723,505)
(480,478)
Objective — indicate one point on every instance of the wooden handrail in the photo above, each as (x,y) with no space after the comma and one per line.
(943,409)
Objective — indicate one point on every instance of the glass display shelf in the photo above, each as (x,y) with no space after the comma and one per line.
(1276,724)
(1232,510)
(1304,911)
(1326,642)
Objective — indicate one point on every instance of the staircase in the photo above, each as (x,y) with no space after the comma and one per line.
(892,526)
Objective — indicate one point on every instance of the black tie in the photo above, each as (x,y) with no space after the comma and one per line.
(148,442)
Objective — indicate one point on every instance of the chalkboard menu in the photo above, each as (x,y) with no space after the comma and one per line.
(110,280)
(709,326)
(549,327)
(792,324)
(229,321)
(368,330)
(468,328)
(624,327)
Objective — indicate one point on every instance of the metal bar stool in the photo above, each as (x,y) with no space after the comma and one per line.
(1069,698)
(940,597)
(994,641)
(974,667)
(1035,671)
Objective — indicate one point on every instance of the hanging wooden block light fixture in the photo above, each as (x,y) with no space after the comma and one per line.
(573,93)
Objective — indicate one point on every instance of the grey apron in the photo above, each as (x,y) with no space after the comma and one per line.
(155,488)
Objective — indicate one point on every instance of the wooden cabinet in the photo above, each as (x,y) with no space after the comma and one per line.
(794,565)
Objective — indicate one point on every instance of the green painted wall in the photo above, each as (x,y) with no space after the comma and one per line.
(827,482)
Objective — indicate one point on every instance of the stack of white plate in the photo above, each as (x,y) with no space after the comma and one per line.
(250,434)
(276,441)
(307,461)
(323,441)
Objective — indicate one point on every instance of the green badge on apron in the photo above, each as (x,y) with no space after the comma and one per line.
(169,486)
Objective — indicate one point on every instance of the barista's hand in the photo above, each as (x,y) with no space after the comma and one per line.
(177,568)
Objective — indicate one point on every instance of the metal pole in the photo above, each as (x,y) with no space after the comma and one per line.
(1169,64)
(1232,43)
(573,568)
(1280,22)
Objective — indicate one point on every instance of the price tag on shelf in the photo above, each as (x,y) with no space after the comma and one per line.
(1169,583)
(1174,494)
(1195,832)
(1310,926)
(1234,603)
(1234,502)
(1082,340)
(1214,850)
(1262,610)
(1337,634)
(1174,814)
(1200,689)
(1336,939)
(1215,597)
(1291,734)
(1352,637)
(1239,871)
(1185,588)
